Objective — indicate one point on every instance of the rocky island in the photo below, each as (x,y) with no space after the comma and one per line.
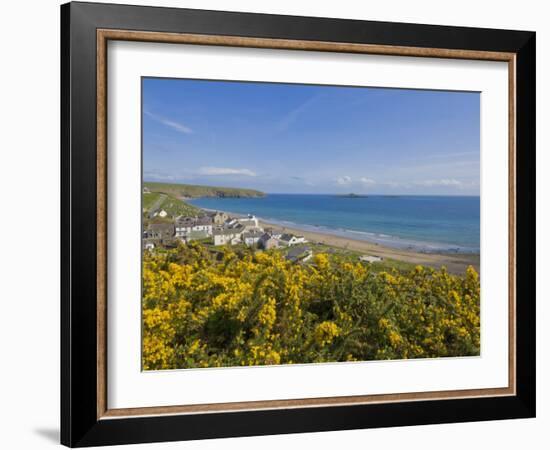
(352,195)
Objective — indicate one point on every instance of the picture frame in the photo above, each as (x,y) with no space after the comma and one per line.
(86,29)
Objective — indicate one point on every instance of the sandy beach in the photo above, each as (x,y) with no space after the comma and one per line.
(455,263)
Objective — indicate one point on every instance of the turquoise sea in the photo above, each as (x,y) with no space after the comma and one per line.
(422,223)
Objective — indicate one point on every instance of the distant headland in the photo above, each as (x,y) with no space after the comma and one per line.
(196,191)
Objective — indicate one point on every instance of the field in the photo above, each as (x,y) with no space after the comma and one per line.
(353,257)
(173,206)
(222,307)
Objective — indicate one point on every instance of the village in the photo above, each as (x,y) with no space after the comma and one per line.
(219,228)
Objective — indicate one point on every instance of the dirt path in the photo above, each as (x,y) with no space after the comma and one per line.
(155,206)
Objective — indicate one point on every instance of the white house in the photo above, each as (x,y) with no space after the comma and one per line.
(290,240)
(370,259)
(230,236)
(162,213)
(251,238)
(203,223)
(250,222)
(185,225)
(148,245)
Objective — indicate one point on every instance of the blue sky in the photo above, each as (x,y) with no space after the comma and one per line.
(289,138)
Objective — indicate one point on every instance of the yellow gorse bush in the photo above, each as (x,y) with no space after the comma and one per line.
(211,309)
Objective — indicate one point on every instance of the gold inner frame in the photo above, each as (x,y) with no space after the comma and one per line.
(104,35)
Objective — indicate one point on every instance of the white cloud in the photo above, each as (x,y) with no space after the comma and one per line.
(226,171)
(442,182)
(347,180)
(366,180)
(158,176)
(343,180)
(178,126)
(454,155)
(396,184)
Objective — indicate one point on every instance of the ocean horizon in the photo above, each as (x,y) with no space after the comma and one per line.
(425,223)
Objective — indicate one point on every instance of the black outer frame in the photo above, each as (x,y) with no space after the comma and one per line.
(79,423)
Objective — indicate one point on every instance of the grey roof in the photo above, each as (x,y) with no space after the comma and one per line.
(237,227)
(296,252)
(226,231)
(192,221)
(203,220)
(266,237)
(162,227)
(286,237)
(253,234)
(185,220)
(248,221)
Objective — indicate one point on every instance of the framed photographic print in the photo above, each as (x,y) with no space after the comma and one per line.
(277,224)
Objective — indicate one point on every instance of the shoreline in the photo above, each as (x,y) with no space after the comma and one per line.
(455,262)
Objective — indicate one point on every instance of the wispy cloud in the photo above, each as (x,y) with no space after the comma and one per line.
(454,155)
(342,181)
(178,126)
(301,180)
(291,116)
(396,184)
(442,156)
(347,180)
(366,180)
(449,182)
(216,171)
(158,176)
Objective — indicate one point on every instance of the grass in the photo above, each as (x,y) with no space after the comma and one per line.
(173,206)
(353,256)
(194,191)
(333,252)
(148,200)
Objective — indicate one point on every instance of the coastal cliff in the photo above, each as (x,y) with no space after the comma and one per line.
(195,191)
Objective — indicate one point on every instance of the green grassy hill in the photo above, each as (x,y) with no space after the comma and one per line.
(173,206)
(194,191)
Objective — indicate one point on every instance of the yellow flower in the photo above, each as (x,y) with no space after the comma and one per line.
(216,308)
(268,313)
(395,338)
(321,261)
(325,332)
